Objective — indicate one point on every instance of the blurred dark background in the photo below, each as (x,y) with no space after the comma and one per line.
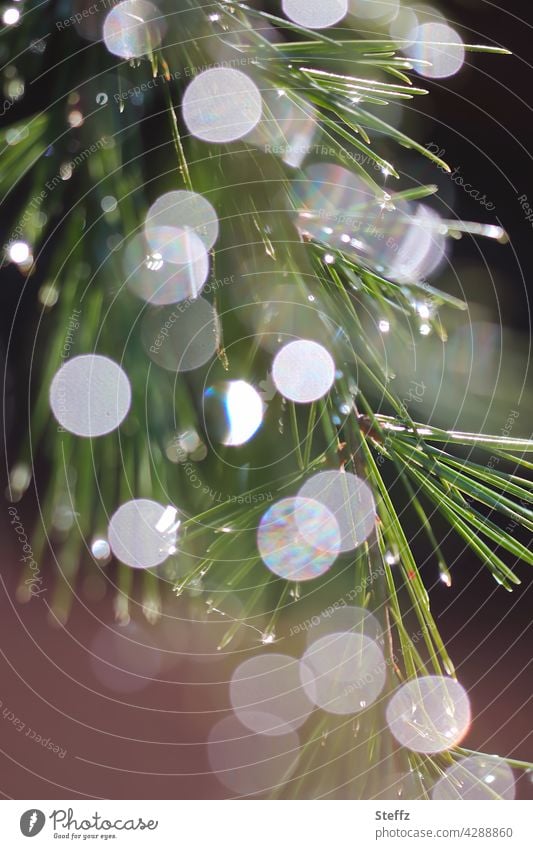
(482,118)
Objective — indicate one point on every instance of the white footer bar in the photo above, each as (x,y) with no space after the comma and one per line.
(267,825)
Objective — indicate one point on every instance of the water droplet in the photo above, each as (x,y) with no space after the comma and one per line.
(19,252)
(11,16)
(101,549)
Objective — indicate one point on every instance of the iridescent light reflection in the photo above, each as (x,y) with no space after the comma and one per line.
(439,44)
(133,28)
(176,245)
(404,240)
(349,672)
(404,25)
(233,411)
(181,339)
(221,105)
(183,209)
(429,714)
(349,499)
(298,539)
(249,764)
(286,128)
(420,246)
(143,534)
(90,395)
(315,14)
(476,777)
(268,696)
(303,371)
(332,191)
(158,282)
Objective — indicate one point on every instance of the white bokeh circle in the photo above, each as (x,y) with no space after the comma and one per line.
(142,533)
(303,371)
(349,499)
(221,105)
(133,28)
(90,395)
(429,714)
(477,777)
(315,14)
(267,694)
(298,539)
(349,672)
(248,763)
(185,209)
